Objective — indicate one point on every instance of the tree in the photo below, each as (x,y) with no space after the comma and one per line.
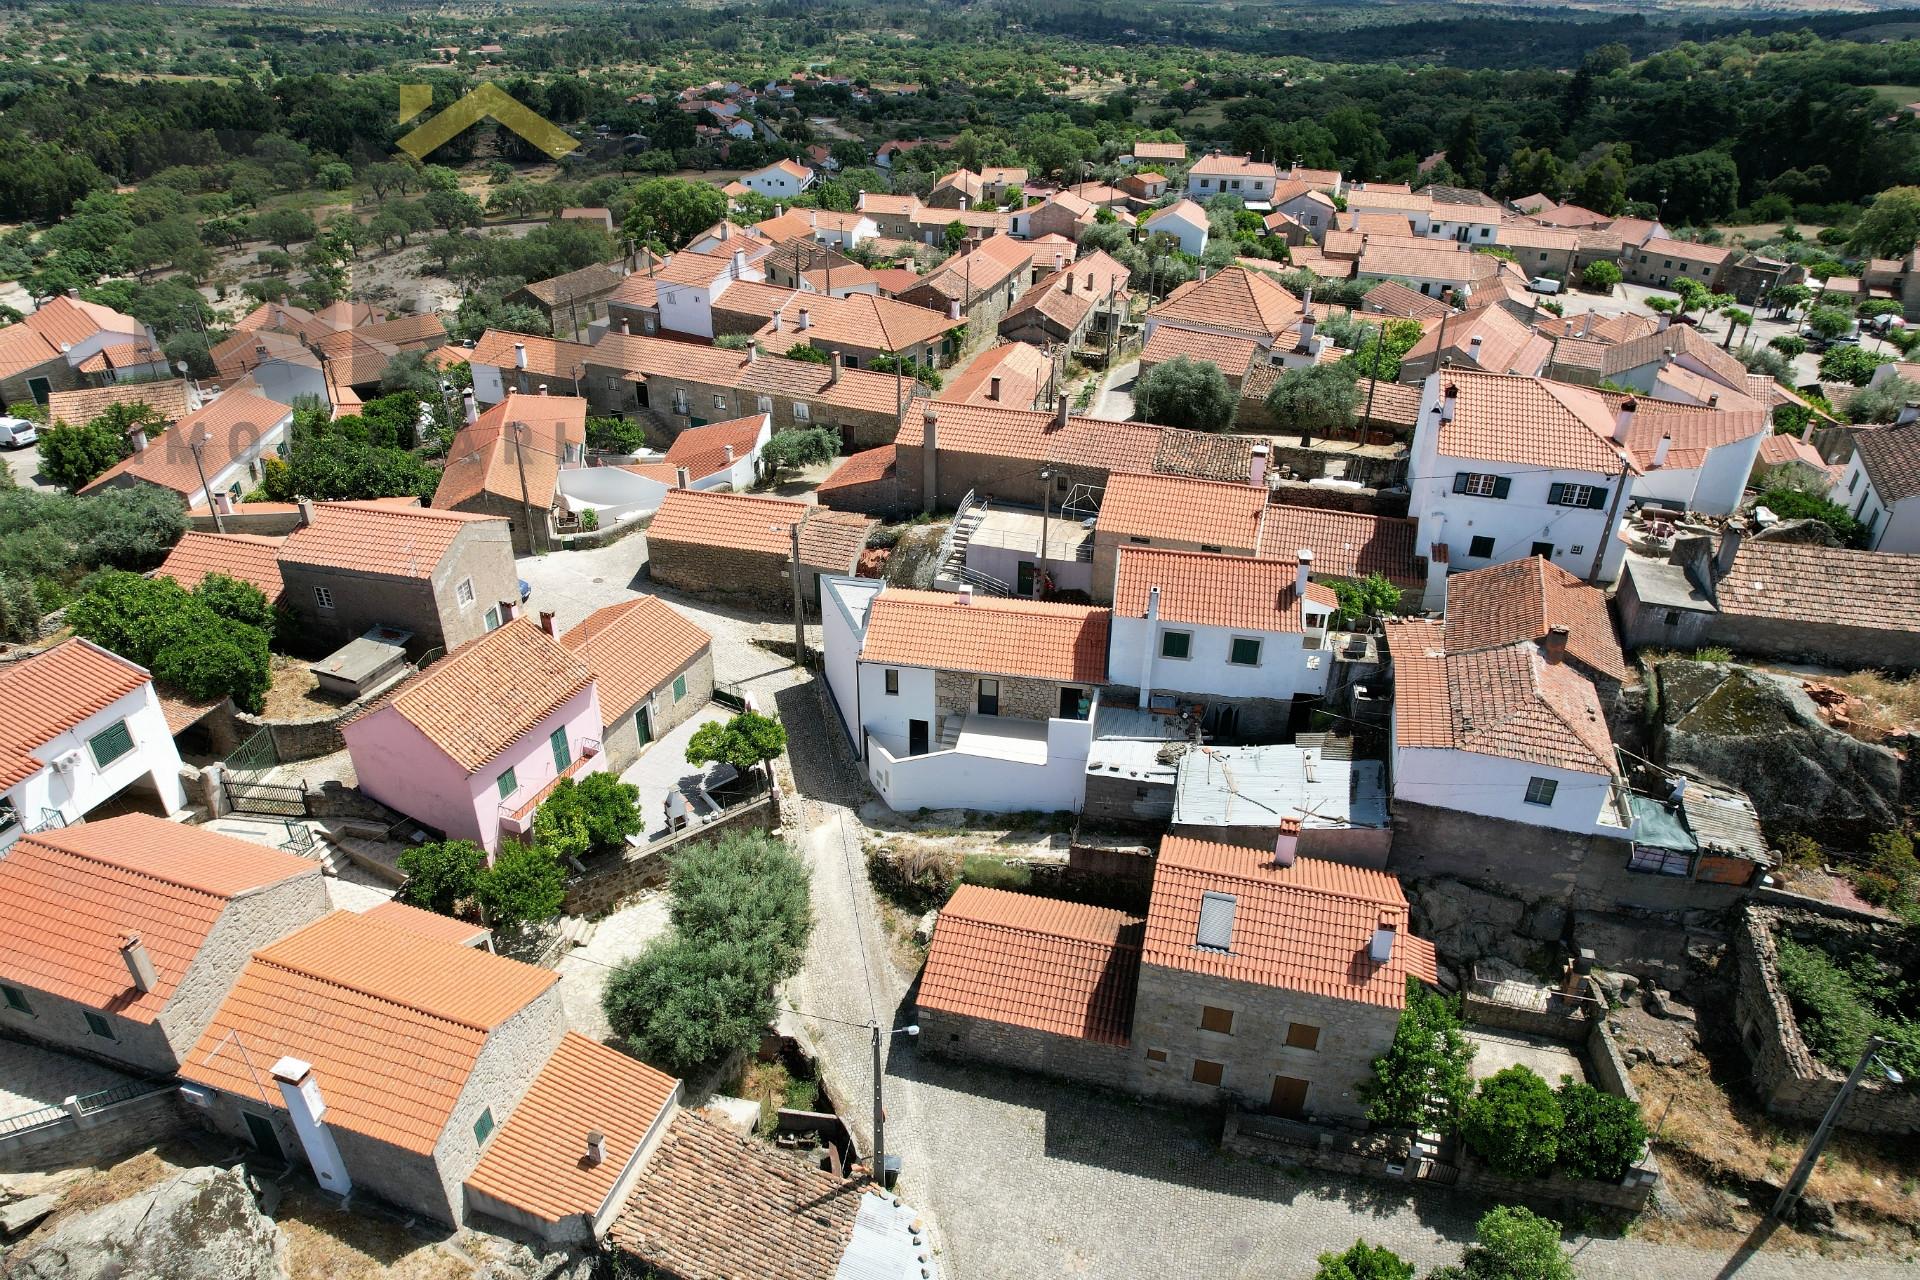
(1422,1078)
(1604,1135)
(130,528)
(1188,393)
(1788,297)
(1880,403)
(1514,1123)
(617,435)
(208,662)
(1513,1243)
(284,227)
(176,635)
(747,888)
(441,876)
(1600,276)
(525,883)
(799,447)
(685,1003)
(1377,351)
(1828,323)
(1789,345)
(588,815)
(73,456)
(1890,226)
(1736,319)
(747,740)
(1464,154)
(955,235)
(668,212)
(1849,364)
(1791,503)
(1373,596)
(451,209)
(1363,1261)
(1316,400)
(236,601)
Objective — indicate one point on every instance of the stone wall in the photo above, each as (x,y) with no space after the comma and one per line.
(858,428)
(1008,480)
(1311,462)
(605,888)
(305,739)
(1575,1027)
(96,1137)
(1828,641)
(1787,1077)
(1373,502)
(1089,1062)
(708,571)
(1140,803)
(954,694)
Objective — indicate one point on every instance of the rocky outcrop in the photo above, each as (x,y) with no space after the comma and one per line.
(201,1225)
(1468,923)
(1761,733)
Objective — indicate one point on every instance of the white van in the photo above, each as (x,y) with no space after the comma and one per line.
(17,433)
(1543,284)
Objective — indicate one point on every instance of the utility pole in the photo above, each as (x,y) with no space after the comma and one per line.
(519,430)
(799,613)
(1046,514)
(879,1114)
(1797,1184)
(1373,380)
(199,464)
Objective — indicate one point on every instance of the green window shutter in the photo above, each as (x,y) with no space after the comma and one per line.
(16,999)
(483,1126)
(111,743)
(562,756)
(679,688)
(507,783)
(1501,486)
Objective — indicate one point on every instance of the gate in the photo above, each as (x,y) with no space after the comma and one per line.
(254,756)
(265,799)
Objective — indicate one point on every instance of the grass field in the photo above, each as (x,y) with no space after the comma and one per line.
(1897,95)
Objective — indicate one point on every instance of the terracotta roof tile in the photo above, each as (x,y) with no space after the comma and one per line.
(1530,422)
(69,897)
(993,431)
(481,698)
(1891,457)
(866,467)
(1203,455)
(485,455)
(428,924)
(1692,430)
(1233,167)
(392,1022)
(1234,299)
(1345,544)
(992,636)
(1821,585)
(1784,447)
(1307,927)
(168,398)
(1523,600)
(1681,340)
(1506,345)
(1198,588)
(234,422)
(714,1206)
(1023,370)
(44,696)
(591,281)
(378,538)
(545,356)
(857,320)
(240,556)
(1209,512)
(747,522)
(69,320)
(634,648)
(1159,151)
(1390,297)
(1232,355)
(537,1161)
(1425,262)
(797,379)
(702,450)
(1060,967)
(21,349)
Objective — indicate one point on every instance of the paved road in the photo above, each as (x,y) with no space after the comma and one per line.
(25,466)
(1115,401)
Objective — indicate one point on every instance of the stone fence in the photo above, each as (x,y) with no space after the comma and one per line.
(97,1129)
(1569,1020)
(608,885)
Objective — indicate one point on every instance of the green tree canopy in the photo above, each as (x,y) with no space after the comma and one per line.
(799,447)
(747,740)
(1315,400)
(1422,1080)
(524,884)
(441,875)
(1514,1123)
(668,212)
(1188,393)
(1512,1243)
(1603,1136)
(73,456)
(176,634)
(1363,1261)
(1850,363)
(1890,226)
(587,815)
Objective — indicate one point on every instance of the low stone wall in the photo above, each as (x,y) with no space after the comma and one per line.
(605,888)
(1372,502)
(1124,862)
(96,1137)
(305,739)
(1574,1027)
(1788,1078)
(1023,1049)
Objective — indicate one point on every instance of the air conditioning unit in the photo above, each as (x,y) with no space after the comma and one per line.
(194,1096)
(67,761)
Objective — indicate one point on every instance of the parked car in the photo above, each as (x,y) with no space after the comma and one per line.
(526,589)
(17,433)
(1543,284)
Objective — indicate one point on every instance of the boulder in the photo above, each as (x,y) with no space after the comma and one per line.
(1466,923)
(17,1215)
(201,1225)
(1762,734)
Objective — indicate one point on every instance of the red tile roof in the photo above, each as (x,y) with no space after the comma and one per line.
(167,398)
(240,556)
(1172,342)
(703,450)
(233,424)
(1821,585)
(22,349)
(996,432)
(1523,600)
(869,466)
(1891,458)
(392,1022)
(1233,298)
(398,915)
(747,522)
(642,357)
(1059,967)
(1179,508)
(1530,422)
(484,696)
(991,636)
(1198,588)
(537,1161)
(634,648)
(69,897)
(485,456)
(545,356)
(1306,927)
(382,538)
(44,696)
(1345,544)
(1023,370)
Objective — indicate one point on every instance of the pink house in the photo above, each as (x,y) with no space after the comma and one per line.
(473,744)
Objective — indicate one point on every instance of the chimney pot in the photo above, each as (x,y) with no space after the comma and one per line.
(729,452)
(626,327)
(965,594)
(469,410)
(1060,412)
(596,1147)
(137,437)
(1660,451)
(1069,284)
(546,622)
(139,963)
(806,318)
(1304,573)
(223,503)
(1257,473)
(993,387)
(543,388)
(1713,400)
(836,362)
(1286,844)
(1623,421)
(1555,643)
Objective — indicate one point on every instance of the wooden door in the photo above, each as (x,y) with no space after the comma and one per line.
(1289,1097)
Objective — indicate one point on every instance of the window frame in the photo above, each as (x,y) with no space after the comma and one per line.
(1224,1016)
(680,687)
(1481,484)
(98,1026)
(1186,645)
(1473,552)
(890,682)
(507,782)
(1312,1041)
(15,1000)
(802,411)
(1233,650)
(323,598)
(1547,787)
(1219,1073)
(463,593)
(492,617)
(483,1126)
(93,744)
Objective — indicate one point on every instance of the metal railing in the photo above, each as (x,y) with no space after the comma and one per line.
(967,504)
(50,820)
(87,1104)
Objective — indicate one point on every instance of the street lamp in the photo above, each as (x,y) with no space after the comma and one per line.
(1797,1184)
(198,443)
(879,1106)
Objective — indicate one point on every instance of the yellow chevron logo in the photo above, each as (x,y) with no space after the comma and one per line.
(488,102)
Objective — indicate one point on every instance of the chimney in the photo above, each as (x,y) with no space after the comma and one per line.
(836,362)
(1060,411)
(469,410)
(1059,261)
(596,1147)
(739,263)
(74,294)
(930,463)
(1152,644)
(806,318)
(519,355)
(306,511)
(1306,330)
(1665,320)
(1304,573)
(1257,473)
(509,610)
(139,963)
(729,453)
(1449,403)
(726,229)
(963,204)
(993,387)
(1381,949)
(1623,421)
(1287,843)
(625,326)
(953,309)
(1713,400)
(543,388)
(546,623)
(1730,537)
(681,477)
(777,325)
(1909,412)
(1660,451)
(965,595)
(753,352)
(223,503)
(1554,645)
(307,1109)
(1203,275)
(137,437)
(1069,284)
(1473,348)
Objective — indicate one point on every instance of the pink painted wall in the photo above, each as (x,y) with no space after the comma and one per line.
(399,767)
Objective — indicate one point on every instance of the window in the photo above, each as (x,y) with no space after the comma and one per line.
(98,1026)
(16,999)
(483,1126)
(464,592)
(1220,1020)
(1480,485)
(893,682)
(681,404)
(1215,550)
(1156,1055)
(1215,931)
(110,743)
(1145,542)
(613,382)
(1480,548)
(1673,618)
(764,404)
(1301,1035)
(562,754)
(1176,644)
(1852,480)
(323,597)
(493,618)
(506,783)
(720,403)
(8,814)
(802,411)
(1576,495)
(1541,551)
(1205,1072)
(1244,652)
(679,688)
(1873,518)
(1540,790)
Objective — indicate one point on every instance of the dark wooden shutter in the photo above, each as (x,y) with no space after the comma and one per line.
(1597,496)
(1555,492)
(1459,482)
(1502,485)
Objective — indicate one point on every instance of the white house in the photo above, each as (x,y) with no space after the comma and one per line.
(957,700)
(1185,221)
(1881,486)
(1505,466)
(686,286)
(781,180)
(1249,180)
(1695,457)
(717,455)
(1462,215)
(1415,206)
(1242,636)
(80,726)
(212,454)
(1509,732)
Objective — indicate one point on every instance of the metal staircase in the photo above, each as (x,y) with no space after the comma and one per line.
(953,572)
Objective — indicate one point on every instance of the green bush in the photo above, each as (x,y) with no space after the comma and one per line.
(616,435)
(1370,597)
(1514,1123)
(1603,1135)
(1363,1261)
(1796,504)
(1422,1080)
(1838,1003)
(1850,364)
(994,873)
(525,883)
(1601,277)
(748,888)
(177,635)
(1512,1243)
(441,876)
(587,815)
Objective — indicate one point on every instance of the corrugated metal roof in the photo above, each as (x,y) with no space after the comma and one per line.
(888,1243)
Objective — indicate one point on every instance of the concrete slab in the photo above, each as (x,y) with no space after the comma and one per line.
(663,769)
(32,1077)
(1547,1059)
(616,938)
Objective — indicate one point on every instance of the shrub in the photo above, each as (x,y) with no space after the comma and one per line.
(616,435)
(1514,1123)
(798,447)
(747,888)
(1363,1261)
(1789,345)
(586,815)
(1797,504)
(1601,277)
(685,1003)
(441,876)
(19,610)
(1516,1244)
(1187,393)
(1372,596)
(1837,1005)
(918,880)
(1422,1078)
(525,883)
(73,455)
(1849,364)
(1603,1136)
(747,740)
(589,520)
(231,662)
(994,873)
(176,635)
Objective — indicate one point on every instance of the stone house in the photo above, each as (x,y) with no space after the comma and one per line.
(1144,189)
(226,440)
(1257,979)
(66,344)
(81,727)
(961,189)
(124,934)
(1075,302)
(244,557)
(1061,214)
(573,301)
(1169,153)
(867,482)
(502,361)
(446,577)
(1013,374)
(733,544)
(654,669)
(507,461)
(171,398)
(471,745)
(1526,600)
(858,326)
(1486,337)
(979,285)
(1661,262)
